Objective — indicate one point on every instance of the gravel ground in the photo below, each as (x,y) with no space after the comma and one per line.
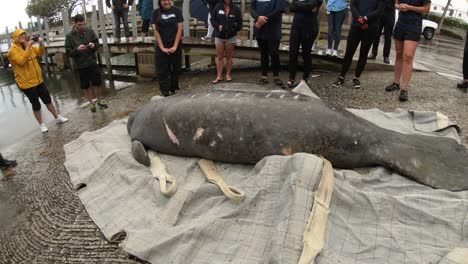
(42,219)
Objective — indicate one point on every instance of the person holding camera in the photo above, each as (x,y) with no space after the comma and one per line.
(81,44)
(23,56)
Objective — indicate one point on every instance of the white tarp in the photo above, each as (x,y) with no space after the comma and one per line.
(376,216)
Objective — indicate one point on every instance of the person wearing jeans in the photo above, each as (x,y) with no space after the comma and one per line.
(120,10)
(464,84)
(336,11)
(387,21)
(365,23)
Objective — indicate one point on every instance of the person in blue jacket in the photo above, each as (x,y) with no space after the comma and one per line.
(304,30)
(268,19)
(407,34)
(226,21)
(146,11)
(336,11)
(366,17)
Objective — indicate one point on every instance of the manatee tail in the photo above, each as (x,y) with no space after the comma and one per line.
(441,163)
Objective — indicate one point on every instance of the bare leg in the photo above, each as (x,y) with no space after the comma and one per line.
(98,91)
(89,95)
(52,110)
(229,51)
(408,56)
(399,45)
(219,61)
(38,116)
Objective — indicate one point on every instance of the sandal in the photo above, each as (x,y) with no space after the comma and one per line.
(228,78)
(217,81)
(277,81)
(263,80)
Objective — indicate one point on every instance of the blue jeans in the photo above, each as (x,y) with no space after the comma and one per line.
(122,13)
(335,23)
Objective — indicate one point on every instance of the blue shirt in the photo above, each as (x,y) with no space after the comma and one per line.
(411,21)
(337,5)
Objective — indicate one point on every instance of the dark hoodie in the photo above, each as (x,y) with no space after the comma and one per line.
(232,22)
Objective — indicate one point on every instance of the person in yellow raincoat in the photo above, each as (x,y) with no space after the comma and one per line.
(28,74)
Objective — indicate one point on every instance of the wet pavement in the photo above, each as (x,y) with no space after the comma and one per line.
(42,219)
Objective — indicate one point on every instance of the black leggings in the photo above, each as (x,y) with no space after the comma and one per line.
(356,36)
(304,37)
(269,48)
(465,59)
(386,24)
(168,67)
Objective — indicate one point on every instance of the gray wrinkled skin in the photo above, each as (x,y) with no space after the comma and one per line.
(244,127)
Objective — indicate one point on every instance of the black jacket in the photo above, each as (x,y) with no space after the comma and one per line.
(84,58)
(373,9)
(118,3)
(231,23)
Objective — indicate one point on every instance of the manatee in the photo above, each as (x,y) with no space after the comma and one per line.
(244,127)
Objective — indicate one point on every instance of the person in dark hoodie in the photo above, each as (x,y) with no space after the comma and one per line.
(167,25)
(268,19)
(304,30)
(120,9)
(82,44)
(227,21)
(366,14)
(387,21)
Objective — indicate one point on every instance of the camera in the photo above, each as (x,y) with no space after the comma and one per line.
(35,39)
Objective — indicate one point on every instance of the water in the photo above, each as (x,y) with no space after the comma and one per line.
(16,117)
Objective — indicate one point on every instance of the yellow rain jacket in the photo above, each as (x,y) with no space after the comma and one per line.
(28,73)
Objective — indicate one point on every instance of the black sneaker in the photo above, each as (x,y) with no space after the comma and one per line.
(277,81)
(403,96)
(372,56)
(5,164)
(386,60)
(462,85)
(102,104)
(263,80)
(356,83)
(392,87)
(338,82)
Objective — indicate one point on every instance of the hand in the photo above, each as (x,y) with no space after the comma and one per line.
(404,7)
(91,45)
(365,26)
(220,27)
(172,50)
(125,6)
(40,41)
(82,47)
(257,25)
(362,20)
(113,8)
(166,50)
(262,20)
(30,42)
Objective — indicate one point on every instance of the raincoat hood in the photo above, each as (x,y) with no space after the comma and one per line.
(16,35)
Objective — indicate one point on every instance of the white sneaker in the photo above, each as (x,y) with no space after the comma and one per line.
(43,128)
(334,53)
(60,119)
(328,52)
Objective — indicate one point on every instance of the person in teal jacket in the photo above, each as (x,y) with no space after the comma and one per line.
(336,12)
(146,12)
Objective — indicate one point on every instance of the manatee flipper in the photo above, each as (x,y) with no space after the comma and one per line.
(139,153)
(212,175)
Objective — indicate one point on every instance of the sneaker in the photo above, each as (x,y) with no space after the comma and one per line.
(462,85)
(328,52)
(102,104)
(5,164)
(43,128)
(338,82)
(392,87)
(277,81)
(334,53)
(356,83)
(204,38)
(386,60)
(263,80)
(314,47)
(92,107)
(403,95)
(61,119)
(372,56)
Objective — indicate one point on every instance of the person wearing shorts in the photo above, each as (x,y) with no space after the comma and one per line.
(81,44)
(407,34)
(28,75)
(227,21)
